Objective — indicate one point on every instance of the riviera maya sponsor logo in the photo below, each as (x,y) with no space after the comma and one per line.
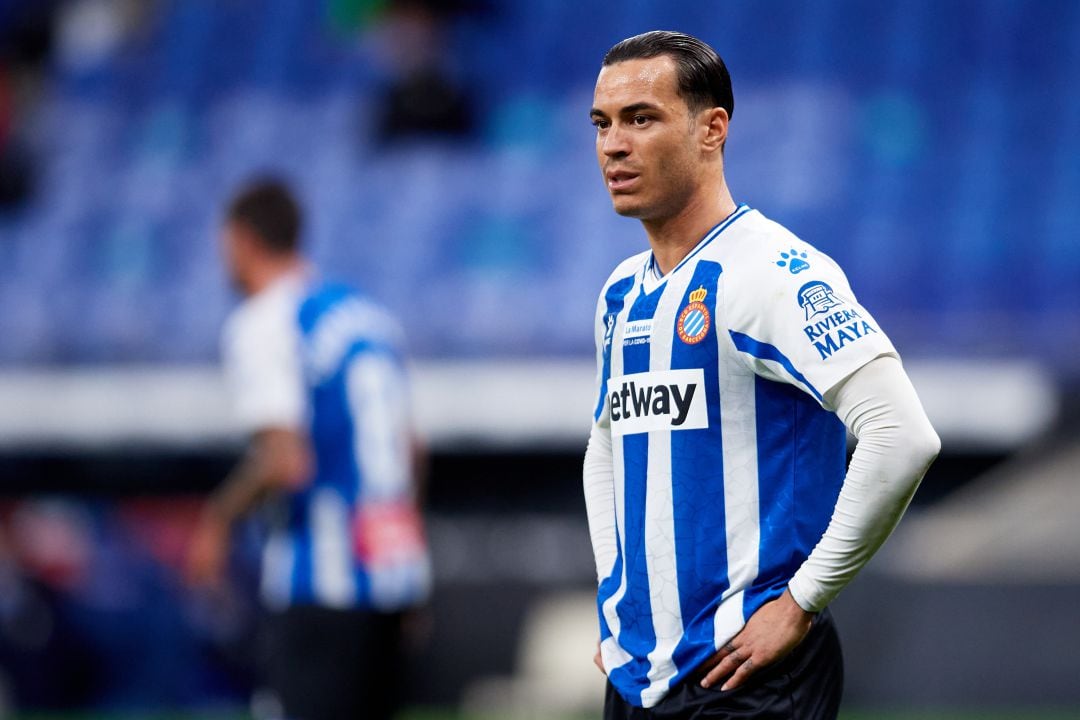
(816,297)
(694,320)
(794,261)
(839,326)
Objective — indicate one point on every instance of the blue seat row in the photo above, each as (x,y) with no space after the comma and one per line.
(930,147)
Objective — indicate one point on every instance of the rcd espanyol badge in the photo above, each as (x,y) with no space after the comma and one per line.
(694,320)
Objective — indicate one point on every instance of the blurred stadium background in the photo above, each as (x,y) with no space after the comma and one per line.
(445,157)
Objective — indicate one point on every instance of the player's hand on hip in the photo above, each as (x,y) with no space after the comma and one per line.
(770,634)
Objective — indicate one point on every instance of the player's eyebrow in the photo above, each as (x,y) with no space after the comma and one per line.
(628,110)
(637,107)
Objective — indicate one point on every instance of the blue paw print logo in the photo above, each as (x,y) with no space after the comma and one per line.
(794,261)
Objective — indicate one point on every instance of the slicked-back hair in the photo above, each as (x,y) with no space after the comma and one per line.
(703,78)
(267,207)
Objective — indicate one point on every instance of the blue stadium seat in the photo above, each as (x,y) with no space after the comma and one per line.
(930,148)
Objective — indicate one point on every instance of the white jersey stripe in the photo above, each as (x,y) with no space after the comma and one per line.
(729,619)
(278,562)
(741,501)
(334,582)
(377,397)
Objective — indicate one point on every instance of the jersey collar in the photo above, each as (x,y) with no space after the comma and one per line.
(651,275)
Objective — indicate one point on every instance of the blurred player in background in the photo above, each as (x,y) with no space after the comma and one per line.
(731,357)
(318,380)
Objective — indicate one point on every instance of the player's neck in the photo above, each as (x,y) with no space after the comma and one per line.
(673,238)
(272,269)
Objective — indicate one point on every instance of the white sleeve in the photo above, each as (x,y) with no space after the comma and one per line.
(896,445)
(261,351)
(599,484)
(598,474)
(804,328)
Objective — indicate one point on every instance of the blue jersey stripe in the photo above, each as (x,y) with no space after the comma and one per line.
(776,490)
(765,351)
(821,457)
(637,635)
(302,584)
(609,586)
(802,451)
(697,465)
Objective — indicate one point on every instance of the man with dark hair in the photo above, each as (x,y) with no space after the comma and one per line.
(701,76)
(318,381)
(268,209)
(731,355)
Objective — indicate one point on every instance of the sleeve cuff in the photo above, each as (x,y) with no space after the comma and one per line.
(804,595)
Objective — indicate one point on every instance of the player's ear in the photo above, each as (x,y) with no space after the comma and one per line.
(715,126)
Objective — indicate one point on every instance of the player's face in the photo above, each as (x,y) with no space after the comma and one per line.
(645,139)
(234,252)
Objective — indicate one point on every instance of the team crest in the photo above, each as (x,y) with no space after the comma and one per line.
(693,324)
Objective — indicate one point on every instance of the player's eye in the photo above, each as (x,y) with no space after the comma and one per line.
(641,120)
(600,123)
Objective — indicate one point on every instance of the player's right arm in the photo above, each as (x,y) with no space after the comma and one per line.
(276,459)
(262,369)
(598,474)
(599,484)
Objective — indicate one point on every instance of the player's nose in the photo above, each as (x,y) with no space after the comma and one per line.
(615,142)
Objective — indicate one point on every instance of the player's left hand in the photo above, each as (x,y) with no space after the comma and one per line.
(769,635)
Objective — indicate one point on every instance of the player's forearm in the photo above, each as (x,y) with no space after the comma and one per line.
(896,444)
(598,479)
(240,491)
(277,459)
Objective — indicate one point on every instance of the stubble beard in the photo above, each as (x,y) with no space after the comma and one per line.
(678,192)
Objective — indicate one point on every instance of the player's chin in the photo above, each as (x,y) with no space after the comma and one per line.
(627,206)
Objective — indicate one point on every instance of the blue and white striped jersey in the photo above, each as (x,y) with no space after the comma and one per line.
(324,360)
(726,465)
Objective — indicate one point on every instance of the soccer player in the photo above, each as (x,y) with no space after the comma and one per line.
(731,355)
(317,377)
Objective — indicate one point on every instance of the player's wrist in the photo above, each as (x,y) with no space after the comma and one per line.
(793,608)
(802,598)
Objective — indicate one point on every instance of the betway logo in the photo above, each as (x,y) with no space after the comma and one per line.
(664,400)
